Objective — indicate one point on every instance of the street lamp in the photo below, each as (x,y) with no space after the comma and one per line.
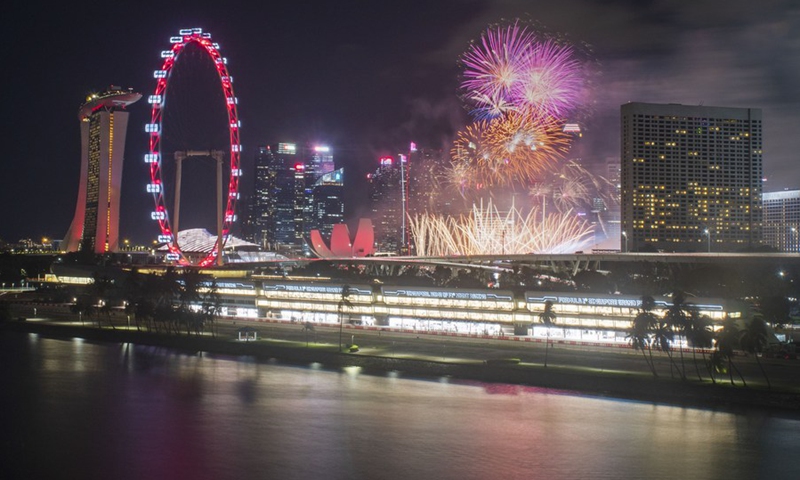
(625,237)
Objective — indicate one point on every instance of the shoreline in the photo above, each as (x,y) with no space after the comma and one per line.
(564,380)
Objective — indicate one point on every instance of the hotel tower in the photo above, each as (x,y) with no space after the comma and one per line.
(691,178)
(95,227)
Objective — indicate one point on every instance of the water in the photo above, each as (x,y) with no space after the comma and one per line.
(75,409)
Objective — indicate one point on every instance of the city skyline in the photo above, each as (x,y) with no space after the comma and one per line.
(369,80)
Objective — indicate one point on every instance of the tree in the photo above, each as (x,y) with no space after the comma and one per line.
(699,335)
(727,342)
(754,340)
(189,298)
(100,292)
(548,318)
(641,327)
(344,302)
(775,310)
(212,305)
(677,321)
(663,336)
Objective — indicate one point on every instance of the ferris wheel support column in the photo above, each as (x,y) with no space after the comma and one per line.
(179,156)
(220,219)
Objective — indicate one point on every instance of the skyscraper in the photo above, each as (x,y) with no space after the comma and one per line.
(274,197)
(283,206)
(95,226)
(691,177)
(387,209)
(782,220)
(327,202)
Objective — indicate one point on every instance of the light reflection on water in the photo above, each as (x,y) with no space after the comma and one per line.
(131,412)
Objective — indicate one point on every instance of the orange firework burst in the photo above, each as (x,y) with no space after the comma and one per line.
(513,149)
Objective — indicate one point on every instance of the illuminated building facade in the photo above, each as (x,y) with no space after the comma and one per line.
(285,209)
(782,220)
(104,123)
(273,206)
(327,203)
(582,317)
(385,194)
(690,178)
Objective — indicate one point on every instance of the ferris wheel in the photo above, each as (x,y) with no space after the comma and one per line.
(154,158)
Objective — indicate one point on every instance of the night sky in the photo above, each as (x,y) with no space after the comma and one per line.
(366,78)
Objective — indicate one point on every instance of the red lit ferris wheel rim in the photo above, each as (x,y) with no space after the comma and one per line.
(154,157)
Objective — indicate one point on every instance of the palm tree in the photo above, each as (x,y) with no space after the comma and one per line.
(663,336)
(344,302)
(212,305)
(754,340)
(640,330)
(548,318)
(699,335)
(727,340)
(677,321)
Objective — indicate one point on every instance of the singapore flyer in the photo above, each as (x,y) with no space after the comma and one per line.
(225,214)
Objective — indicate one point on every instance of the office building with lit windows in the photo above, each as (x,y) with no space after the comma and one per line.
(690,177)
(782,220)
(273,207)
(284,204)
(386,199)
(104,123)
(327,203)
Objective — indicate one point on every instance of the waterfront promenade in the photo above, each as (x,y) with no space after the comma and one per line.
(583,368)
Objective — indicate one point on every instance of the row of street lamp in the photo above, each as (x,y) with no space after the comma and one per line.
(706,232)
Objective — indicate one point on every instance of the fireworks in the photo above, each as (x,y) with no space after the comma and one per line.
(520,86)
(551,83)
(505,151)
(488,231)
(572,187)
(511,69)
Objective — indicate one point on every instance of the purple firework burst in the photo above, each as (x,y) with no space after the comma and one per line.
(513,70)
(551,81)
(493,67)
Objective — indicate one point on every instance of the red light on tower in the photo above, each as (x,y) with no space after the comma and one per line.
(299,166)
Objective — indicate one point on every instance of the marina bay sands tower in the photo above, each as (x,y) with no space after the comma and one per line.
(104,122)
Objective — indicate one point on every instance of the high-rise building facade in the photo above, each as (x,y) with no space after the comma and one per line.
(386,198)
(690,177)
(104,123)
(782,220)
(273,197)
(283,206)
(327,198)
